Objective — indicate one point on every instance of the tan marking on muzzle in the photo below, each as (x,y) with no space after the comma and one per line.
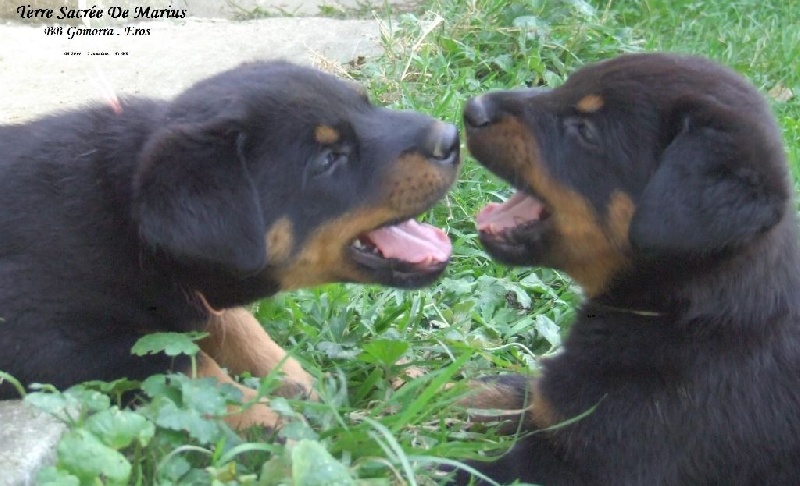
(279,239)
(620,213)
(583,247)
(322,259)
(413,185)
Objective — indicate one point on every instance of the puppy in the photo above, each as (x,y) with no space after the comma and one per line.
(156,216)
(659,183)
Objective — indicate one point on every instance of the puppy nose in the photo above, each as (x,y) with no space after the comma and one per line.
(477,113)
(443,144)
(489,108)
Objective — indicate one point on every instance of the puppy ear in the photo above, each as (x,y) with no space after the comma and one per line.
(194,198)
(719,183)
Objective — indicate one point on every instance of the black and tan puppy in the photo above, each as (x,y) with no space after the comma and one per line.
(660,184)
(168,216)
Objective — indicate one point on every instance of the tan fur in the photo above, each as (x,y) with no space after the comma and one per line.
(493,396)
(620,213)
(542,412)
(503,403)
(587,251)
(239,343)
(415,185)
(326,135)
(280,239)
(320,260)
(590,103)
(258,414)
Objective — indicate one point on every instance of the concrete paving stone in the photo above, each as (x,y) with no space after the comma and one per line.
(27,442)
(165,58)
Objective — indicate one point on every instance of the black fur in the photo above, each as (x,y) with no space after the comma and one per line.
(690,348)
(113,225)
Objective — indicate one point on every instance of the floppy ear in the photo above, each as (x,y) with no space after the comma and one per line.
(719,183)
(194,198)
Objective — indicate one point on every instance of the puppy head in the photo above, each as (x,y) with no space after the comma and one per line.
(646,157)
(283,173)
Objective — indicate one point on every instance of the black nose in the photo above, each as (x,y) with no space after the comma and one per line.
(478,112)
(443,143)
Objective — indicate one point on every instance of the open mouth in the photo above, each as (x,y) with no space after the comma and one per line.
(510,228)
(407,254)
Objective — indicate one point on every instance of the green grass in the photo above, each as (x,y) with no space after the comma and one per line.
(479,319)
(759,39)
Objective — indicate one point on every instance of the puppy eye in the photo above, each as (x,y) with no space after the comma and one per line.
(328,160)
(584,129)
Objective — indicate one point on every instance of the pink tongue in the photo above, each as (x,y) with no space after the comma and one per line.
(519,208)
(413,242)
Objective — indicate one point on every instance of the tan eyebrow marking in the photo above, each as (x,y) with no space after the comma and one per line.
(326,135)
(590,103)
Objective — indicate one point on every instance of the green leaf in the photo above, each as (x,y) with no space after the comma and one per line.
(583,8)
(163,387)
(313,465)
(51,476)
(533,282)
(548,330)
(336,350)
(203,395)
(85,456)
(391,447)
(116,387)
(449,45)
(174,468)
(523,298)
(297,430)
(169,343)
(201,428)
(119,428)
(459,287)
(370,383)
(275,470)
(90,400)
(56,404)
(385,351)
(281,406)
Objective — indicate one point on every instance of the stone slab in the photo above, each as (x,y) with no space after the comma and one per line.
(27,442)
(162,60)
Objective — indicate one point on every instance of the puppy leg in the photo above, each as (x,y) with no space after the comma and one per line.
(519,404)
(239,419)
(514,399)
(238,342)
